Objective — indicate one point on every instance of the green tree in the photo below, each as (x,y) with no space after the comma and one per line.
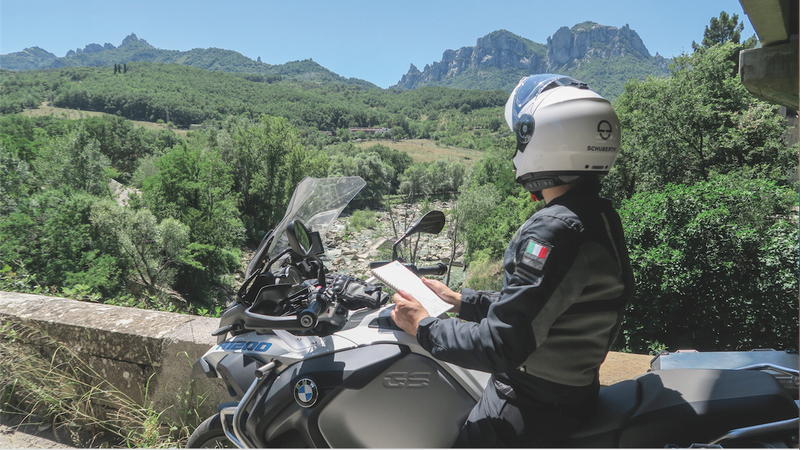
(51,236)
(368,166)
(195,186)
(266,160)
(723,29)
(697,123)
(16,181)
(154,250)
(414,182)
(74,162)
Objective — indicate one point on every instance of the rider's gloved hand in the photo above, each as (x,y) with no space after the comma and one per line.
(354,293)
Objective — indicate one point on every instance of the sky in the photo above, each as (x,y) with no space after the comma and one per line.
(373,40)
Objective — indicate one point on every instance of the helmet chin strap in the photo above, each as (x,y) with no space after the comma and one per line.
(536,196)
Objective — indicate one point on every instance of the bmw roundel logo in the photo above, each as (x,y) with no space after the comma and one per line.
(305,393)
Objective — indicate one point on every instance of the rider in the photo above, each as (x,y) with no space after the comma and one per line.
(567,278)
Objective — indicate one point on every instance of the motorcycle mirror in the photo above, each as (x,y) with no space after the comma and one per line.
(432,223)
(299,238)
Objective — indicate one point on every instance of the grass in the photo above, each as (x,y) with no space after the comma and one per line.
(426,150)
(41,377)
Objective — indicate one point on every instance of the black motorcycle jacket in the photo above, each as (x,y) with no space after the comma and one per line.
(567,279)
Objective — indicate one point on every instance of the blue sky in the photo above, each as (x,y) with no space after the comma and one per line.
(372,40)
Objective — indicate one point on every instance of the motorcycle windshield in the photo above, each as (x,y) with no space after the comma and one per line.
(315,201)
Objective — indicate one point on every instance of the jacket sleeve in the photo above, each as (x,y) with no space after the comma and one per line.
(475,304)
(520,318)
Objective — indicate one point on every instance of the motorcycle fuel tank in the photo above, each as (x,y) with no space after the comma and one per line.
(413,403)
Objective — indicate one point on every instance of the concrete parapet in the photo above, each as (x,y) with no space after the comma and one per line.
(145,354)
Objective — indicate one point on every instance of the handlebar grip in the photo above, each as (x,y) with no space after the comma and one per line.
(438,269)
(308,317)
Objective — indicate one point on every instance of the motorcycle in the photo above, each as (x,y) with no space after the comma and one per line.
(313,359)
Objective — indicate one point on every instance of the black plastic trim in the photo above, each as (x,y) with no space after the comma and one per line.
(201,368)
(237,370)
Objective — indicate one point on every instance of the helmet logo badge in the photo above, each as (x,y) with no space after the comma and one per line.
(524,131)
(305,393)
(604,128)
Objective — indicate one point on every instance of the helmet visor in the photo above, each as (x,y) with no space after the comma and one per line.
(527,90)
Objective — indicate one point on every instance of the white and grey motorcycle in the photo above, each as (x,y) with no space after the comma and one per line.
(313,359)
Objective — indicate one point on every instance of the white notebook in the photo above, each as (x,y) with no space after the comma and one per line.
(399,278)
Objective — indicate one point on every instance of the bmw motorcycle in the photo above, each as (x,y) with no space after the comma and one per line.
(312,358)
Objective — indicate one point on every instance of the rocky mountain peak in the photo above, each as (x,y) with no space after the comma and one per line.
(569,45)
(515,56)
(132,38)
(97,48)
(498,49)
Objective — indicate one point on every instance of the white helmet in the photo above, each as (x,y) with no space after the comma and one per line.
(564,131)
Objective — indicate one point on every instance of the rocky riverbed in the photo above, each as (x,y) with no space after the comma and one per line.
(351,251)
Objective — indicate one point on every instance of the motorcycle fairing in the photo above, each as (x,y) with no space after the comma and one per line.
(276,411)
(369,327)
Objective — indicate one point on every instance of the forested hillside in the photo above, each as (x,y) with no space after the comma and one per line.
(702,184)
(186,95)
(134,49)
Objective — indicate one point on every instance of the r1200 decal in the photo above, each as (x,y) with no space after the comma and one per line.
(250,346)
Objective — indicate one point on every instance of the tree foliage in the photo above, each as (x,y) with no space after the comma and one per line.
(720,30)
(266,160)
(153,250)
(703,183)
(697,123)
(713,265)
(186,95)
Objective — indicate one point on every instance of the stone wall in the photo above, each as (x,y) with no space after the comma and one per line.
(142,353)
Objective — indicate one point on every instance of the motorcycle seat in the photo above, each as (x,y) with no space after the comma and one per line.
(686,406)
(615,405)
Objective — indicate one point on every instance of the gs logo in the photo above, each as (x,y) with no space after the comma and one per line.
(411,380)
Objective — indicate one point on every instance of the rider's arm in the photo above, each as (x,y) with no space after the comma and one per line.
(531,300)
(475,304)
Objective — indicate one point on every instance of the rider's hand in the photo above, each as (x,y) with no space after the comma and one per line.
(445,293)
(407,312)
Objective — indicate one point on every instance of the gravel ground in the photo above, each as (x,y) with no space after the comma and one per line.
(15,433)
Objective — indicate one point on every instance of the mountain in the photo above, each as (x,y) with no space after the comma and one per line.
(603,56)
(28,59)
(135,49)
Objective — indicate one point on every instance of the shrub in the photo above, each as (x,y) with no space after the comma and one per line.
(361,219)
(715,266)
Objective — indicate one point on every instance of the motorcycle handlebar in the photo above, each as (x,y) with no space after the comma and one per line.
(308,317)
(437,269)
(305,319)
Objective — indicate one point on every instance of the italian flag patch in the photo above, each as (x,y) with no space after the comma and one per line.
(537,250)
